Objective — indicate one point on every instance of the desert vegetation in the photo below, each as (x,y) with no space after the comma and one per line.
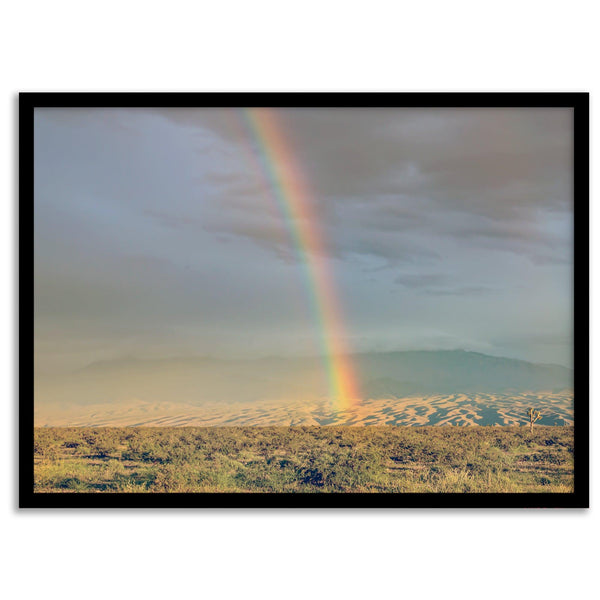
(534,416)
(304,459)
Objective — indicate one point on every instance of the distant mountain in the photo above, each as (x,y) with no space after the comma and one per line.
(455,371)
(382,375)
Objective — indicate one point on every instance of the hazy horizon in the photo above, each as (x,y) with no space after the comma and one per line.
(265,357)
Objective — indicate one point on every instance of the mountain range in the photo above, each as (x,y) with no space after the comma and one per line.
(381,375)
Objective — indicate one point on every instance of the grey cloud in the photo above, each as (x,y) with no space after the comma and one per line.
(270,236)
(171,220)
(464,290)
(385,246)
(346,151)
(439,284)
(389,170)
(381,170)
(533,239)
(419,280)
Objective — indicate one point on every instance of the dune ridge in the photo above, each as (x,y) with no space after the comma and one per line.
(467,409)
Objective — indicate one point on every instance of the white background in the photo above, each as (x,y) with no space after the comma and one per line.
(284,46)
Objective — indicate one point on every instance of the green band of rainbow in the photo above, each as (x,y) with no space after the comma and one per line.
(294,198)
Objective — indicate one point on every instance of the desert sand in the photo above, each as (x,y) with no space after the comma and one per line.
(454,409)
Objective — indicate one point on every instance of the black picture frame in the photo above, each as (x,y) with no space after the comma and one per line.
(579,102)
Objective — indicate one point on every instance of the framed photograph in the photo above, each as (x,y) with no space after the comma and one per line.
(303,300)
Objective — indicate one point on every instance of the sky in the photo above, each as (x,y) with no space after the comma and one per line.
(160,233)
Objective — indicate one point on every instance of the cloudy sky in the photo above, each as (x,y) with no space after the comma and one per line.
(157,233)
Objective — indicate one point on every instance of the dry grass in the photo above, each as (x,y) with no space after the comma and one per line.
(304,459)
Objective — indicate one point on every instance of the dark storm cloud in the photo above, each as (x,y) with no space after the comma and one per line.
(383,170)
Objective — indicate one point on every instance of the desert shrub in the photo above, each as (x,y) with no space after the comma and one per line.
(71,483)
(304,459)
(312,476)
(104,448)
(168,479)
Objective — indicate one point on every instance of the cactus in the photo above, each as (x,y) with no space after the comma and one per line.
(534,415)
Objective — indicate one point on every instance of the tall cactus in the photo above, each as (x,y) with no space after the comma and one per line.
(534,415)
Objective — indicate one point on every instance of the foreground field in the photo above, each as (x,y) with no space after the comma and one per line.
(304,459)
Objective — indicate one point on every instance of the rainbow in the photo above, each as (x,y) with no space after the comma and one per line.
(289,186)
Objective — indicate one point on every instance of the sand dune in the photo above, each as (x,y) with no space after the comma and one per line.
(453,409)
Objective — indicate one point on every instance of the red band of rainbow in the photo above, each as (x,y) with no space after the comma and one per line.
(294,198)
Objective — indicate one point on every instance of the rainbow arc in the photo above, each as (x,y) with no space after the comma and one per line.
(295,200)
